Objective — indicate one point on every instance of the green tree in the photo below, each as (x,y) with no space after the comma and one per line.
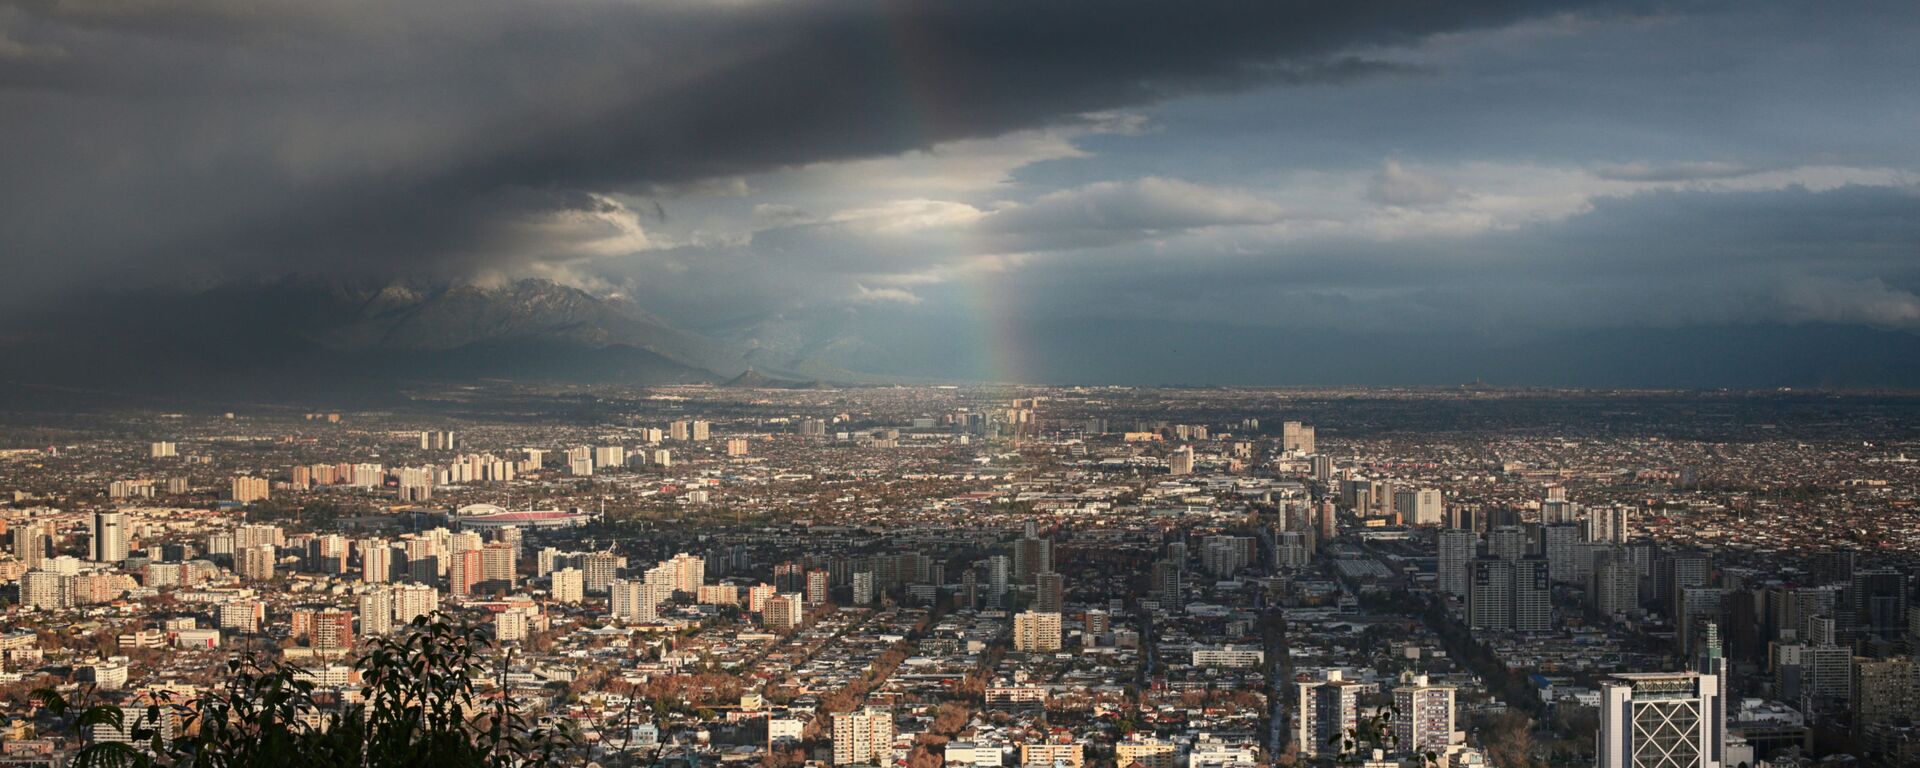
(421,708)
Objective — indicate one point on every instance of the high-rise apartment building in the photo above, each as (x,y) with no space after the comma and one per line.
(1510,595)
(256,562)
(1457,550)
(1425,718)
(863,738)
(247,489)
(30,541)
(1032,554)
(569,585)
(1049,592)
(818,587)
(1325,711)
(1418,506)
(783,611)
(1297,438)
(376,560)
(1180,461)
(1610,524)
(1036,632)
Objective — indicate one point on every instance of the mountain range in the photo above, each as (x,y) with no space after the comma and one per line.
(301,335)
(307,340)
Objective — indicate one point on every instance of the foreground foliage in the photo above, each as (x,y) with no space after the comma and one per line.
(420,709)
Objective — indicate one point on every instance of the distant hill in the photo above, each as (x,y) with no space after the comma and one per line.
(300,335)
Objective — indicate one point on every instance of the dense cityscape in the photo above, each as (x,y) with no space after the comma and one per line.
(997,576)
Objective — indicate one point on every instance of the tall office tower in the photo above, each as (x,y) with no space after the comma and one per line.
(1510,595)
(247,489)
(998,569)
(1610,524)
(1324,712)
(1879,601)
(1507,542)
(1425,720)
(109,537)
(1713,661)
(863,588)
(1790,610)
(783,610)
(376,560)
(1180,461)
(30,544)
(1297,438)
(500,562)
(1695,608)
(1456,552)
(633,600)
(163,450)
(600,568)
(256,562)
(1329,523)
(1036,632)
(1679,571)
(569,585)
(863,738)
(818,582)
(1883,691)
(1322,468)
(1418,506)
(1658,720)
(1834,567)
(1819,673)
(1049,592)
(1031,554)
(376,611)
(1568,557)
(680,431)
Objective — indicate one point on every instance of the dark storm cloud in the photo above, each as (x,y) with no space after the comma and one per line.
(171,139)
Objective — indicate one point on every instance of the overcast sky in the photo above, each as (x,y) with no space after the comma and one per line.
(1487,168)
